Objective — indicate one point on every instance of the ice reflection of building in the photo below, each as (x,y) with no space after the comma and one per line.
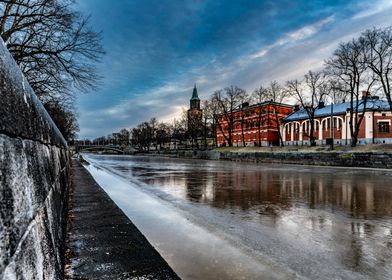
(273,192)
(356,198)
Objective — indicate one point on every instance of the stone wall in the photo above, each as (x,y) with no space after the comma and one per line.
(356,159)
(34,166)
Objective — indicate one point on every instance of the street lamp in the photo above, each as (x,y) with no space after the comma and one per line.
(332,125)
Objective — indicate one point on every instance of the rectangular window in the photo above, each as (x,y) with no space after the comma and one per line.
(383,127)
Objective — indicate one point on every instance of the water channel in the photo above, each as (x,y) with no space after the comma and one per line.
(227,220)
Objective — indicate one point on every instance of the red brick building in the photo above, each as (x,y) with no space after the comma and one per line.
(245,127)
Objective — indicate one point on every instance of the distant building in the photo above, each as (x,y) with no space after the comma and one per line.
(246,126)
(375,126)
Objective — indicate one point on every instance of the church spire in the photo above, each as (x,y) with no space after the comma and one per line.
(194,94)
(195,101)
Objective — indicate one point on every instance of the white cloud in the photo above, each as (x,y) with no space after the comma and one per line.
(373,9)
(295,36)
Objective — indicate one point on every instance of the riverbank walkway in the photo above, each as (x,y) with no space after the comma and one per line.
(102,242)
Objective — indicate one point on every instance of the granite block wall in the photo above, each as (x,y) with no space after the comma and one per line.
(34,177)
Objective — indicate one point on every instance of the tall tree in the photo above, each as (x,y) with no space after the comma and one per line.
(243,121)
(348,65)
(124,135)
(162,134)
(142,136)
(277,95)
(54,47)
(227,101)
(260,95)
(64,117)
(179,127)
(208,120)
(378,57)
(309,93)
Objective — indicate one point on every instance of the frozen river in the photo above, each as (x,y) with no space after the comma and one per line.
(226,220)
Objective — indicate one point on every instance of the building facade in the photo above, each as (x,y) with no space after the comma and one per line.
(375,127)
(259,123)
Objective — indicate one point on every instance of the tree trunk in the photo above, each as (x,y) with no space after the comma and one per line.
(311,136)
(354,140)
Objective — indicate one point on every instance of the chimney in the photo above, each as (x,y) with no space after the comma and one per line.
(321,104)
(245,104)
(296,108)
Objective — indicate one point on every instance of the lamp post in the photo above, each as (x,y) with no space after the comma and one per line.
(332,125)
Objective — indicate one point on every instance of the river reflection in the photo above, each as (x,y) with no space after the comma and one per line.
(338,216)
(358,195)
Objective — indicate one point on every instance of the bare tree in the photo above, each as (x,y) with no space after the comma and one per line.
(348,65)
(212,113)
(335,90)
(179,127)
(378,57)
(54,47)
(243,121)
(153,126)
(277,95)
(142,136)
(260,95)
(124,136)
(309,94)
(227,102)
(208,120)
(64,117)
(162,134)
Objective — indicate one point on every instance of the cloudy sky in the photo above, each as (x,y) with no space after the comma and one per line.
(156,50)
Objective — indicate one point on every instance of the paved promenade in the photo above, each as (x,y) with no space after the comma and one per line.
(102,242)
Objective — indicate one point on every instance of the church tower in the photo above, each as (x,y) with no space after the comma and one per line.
(195,115)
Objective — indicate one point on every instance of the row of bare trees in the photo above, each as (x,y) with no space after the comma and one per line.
(121,138)
(364,63)
(154,133)
(56,50)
